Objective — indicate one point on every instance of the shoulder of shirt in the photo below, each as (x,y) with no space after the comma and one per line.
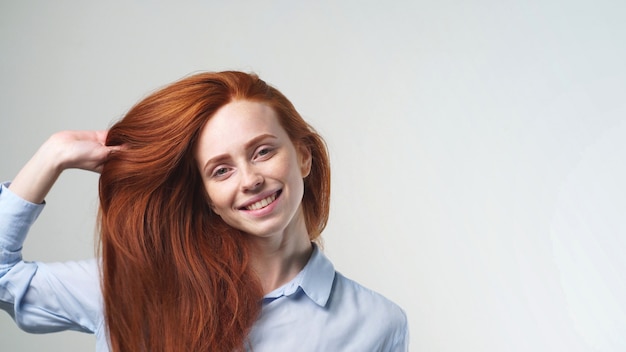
(375,302)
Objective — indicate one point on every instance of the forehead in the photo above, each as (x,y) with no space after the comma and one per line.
(235,124)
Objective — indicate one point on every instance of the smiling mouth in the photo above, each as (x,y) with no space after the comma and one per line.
(263,202)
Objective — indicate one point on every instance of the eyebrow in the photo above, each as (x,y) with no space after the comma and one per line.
(248,144)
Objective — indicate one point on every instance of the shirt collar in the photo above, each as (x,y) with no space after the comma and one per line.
(318,277)
(315,280)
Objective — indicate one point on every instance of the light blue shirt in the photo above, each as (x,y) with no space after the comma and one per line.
(319,310)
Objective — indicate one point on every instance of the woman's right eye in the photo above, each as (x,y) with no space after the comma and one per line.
(220,171)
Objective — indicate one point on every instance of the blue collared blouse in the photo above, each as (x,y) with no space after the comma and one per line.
(318,310)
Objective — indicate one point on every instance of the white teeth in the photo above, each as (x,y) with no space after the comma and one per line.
(262,203)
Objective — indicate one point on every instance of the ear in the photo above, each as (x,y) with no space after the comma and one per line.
(304,159)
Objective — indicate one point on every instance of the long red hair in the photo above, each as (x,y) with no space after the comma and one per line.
(175,276)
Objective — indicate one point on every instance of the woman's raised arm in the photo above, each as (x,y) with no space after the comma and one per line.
(63,150)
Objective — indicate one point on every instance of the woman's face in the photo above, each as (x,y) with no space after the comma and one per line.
(251,170)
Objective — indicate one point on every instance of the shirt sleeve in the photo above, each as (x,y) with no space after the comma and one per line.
(43,297)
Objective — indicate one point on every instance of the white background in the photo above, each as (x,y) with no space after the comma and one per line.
(477,146)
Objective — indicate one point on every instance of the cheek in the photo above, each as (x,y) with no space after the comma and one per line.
(293,173)
(216,197)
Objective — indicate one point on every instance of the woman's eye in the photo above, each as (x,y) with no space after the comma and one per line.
(264,152)
(220,171)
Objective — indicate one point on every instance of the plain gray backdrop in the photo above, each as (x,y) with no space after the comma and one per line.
(477,147)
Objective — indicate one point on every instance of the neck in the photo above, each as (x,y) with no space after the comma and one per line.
(278,258)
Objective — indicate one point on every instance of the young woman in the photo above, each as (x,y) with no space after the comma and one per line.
(213,195)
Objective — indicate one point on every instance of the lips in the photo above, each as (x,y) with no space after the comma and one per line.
(263,202)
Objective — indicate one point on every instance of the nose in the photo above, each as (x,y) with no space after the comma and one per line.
(251,180)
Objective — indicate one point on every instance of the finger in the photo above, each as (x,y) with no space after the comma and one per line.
(101,136)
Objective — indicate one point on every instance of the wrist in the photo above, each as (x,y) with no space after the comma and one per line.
(35,179)
(50,158)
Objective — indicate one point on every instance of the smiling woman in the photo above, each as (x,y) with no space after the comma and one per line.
(213,192)
(255,182)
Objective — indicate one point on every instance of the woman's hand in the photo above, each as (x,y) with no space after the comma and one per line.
(79,149)
(63,150)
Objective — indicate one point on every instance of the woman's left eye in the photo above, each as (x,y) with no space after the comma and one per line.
(263,152)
